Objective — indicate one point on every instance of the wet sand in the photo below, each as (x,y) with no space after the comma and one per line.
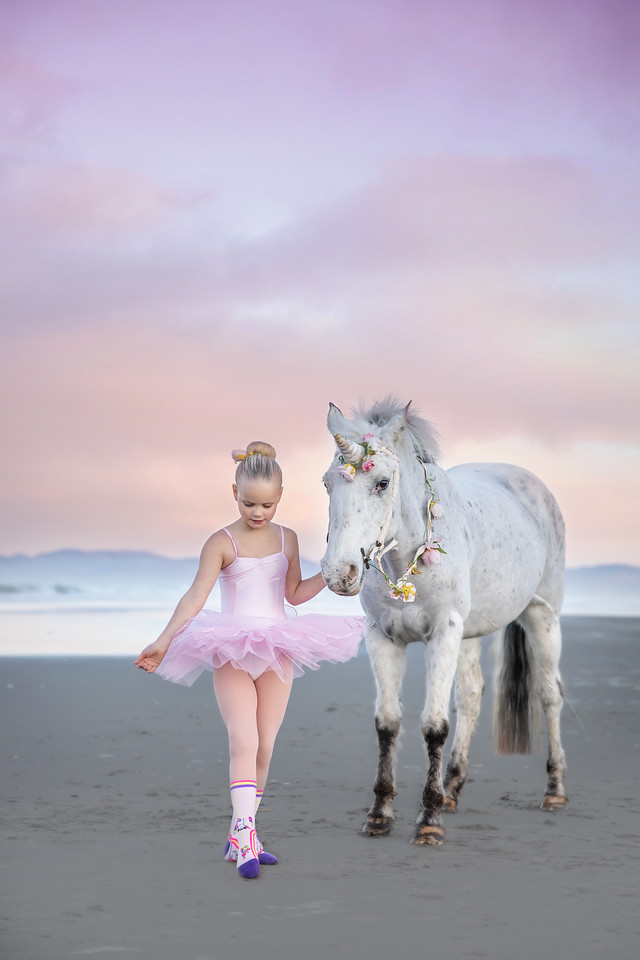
(116,807)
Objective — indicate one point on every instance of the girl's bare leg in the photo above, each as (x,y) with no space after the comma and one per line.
(237,698)
(273,696)
(252,712)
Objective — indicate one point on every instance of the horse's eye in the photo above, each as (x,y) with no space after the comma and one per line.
(382,484)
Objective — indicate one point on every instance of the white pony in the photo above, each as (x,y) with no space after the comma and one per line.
(444,558)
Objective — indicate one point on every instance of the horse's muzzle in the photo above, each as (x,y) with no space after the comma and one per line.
(343,577)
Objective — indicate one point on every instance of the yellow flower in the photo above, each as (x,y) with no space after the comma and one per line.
(403,591)
(409,592)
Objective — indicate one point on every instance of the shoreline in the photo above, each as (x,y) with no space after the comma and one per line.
(124,631)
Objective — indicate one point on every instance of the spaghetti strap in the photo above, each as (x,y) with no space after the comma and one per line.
(235,549)
(282,535)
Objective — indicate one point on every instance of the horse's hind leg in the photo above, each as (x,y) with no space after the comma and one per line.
(469,686)
(543,632)
(388,662)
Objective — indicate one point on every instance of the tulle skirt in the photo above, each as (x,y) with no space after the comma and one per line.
(256,644)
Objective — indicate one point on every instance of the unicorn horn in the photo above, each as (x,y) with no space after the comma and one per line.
(349,449)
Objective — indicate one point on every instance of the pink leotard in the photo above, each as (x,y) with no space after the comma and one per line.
(254,586)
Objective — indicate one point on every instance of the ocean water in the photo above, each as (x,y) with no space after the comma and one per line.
(97,603)
(120,617)
(107,624)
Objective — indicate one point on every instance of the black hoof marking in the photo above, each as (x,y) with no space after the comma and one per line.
(429,835)
(377,827)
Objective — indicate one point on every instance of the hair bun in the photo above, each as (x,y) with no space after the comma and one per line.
(256,448)
(261,448)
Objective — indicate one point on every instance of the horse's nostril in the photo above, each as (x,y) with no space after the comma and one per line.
(350,575)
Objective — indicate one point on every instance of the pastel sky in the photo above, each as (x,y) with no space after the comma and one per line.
(217,217)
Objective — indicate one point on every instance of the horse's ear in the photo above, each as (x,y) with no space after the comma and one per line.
(335,420)
(395,428)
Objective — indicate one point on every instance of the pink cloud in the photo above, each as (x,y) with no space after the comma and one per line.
(124,431)
(30,95)
(456,212)
(95,200)
(446,269)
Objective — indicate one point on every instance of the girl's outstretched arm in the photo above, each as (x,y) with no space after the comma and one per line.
(296,589)
(211,562)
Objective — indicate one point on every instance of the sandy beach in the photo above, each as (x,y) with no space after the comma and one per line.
(116,806)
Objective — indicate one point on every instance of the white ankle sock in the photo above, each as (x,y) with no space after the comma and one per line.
(231,852)
(243,834)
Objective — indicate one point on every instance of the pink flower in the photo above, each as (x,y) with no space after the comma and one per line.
(371,443)
(437,510)
(368,465)
(431,552)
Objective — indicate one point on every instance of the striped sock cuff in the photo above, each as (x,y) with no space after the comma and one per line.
(242,783)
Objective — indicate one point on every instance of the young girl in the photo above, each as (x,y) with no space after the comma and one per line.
(251,646)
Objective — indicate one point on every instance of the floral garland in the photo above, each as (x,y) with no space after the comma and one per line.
(371,446)
(429,551)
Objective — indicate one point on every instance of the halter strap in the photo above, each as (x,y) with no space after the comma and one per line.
(394,488)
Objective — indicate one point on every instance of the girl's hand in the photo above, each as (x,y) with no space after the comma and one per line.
(151,657)
(296,589)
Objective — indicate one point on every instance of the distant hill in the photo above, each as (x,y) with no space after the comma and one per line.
(609,590)
(93,565)
(100,574)
(127,574)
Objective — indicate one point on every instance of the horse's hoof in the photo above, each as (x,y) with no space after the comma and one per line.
(450,804)
(428,835)
(378,826)
(554,803)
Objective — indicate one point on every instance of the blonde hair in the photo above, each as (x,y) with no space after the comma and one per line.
(257,462)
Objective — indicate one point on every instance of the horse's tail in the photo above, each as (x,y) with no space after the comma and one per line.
(513,691)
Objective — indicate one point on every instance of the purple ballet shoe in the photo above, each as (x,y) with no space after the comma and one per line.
(249,870)
(267,858)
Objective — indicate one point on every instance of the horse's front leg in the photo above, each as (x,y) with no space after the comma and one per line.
(388,661)
(468,694)
(442,649)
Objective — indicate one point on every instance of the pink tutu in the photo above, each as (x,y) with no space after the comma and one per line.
(256,644)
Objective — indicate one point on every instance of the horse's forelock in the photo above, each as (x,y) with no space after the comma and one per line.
(421,434)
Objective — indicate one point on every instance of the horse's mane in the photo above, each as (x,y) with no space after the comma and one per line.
(422,434)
